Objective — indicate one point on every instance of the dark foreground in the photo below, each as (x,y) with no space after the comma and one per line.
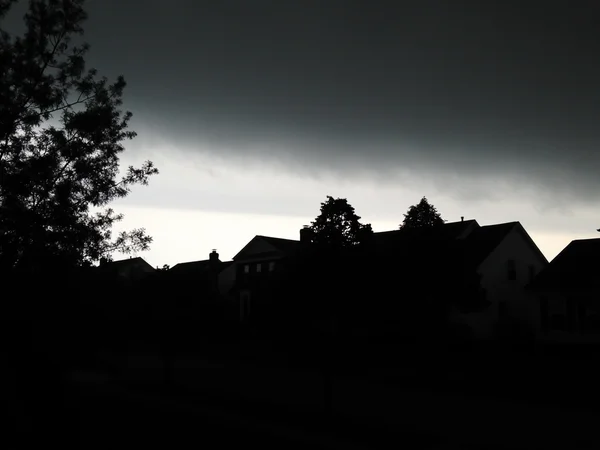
(204,404)
(117,418)
(93,412)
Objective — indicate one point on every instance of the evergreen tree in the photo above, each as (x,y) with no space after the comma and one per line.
(421,215)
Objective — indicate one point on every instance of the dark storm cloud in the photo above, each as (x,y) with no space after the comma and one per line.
(474,88)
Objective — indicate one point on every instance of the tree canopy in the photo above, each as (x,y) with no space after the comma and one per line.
(338,225)
(421,215)
(61,133)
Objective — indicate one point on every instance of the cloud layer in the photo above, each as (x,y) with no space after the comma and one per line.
(490,108)
(479,90)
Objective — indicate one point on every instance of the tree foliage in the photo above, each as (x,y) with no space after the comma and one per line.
(421,215)
(61,133)
(338,225)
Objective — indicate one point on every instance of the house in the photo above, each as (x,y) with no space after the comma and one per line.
(265,261)
(255,268)
(115,285)
(507,260)
(200,275)
(412,276)
(503,256)
(566,295)
(131,269)
(194,283)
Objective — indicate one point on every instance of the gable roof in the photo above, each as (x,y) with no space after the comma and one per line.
(287,247)
(127,268)
(576,267)
(196,267)
(191,267)
(402,239)
(454,230)
(129,262)
(482,241)
(532,244)
(465,242)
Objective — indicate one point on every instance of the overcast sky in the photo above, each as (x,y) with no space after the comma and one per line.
(255,110)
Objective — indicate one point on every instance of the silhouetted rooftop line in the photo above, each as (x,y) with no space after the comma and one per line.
(482,241)
(576,267)
(198,266)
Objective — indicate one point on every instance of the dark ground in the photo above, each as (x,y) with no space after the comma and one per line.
(90,413)
(51,409)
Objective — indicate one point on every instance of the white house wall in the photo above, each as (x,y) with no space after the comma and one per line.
(494,273)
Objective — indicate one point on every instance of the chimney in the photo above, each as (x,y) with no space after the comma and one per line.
(462,218)
(213,256)
(306,235)
(103,261)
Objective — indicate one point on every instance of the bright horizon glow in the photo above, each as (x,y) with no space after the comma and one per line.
(184,235)
(200,202)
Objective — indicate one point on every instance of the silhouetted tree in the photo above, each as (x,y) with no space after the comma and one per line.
(421,215)
(338,225)
(61,133)
(341,244)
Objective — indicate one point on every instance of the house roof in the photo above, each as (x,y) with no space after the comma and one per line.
(196,267)
(137,261)
(451,230)
(434,248)
(191,266)
(397,239)
(131,267)
(482,241)
(576,267)
(464,242)
(287,246)
(454,230)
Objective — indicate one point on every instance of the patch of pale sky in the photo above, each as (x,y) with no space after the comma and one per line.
(186,235)
(189,228)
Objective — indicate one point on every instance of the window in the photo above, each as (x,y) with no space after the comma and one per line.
(247,268)
(271,266)
(259,268)
(511,270)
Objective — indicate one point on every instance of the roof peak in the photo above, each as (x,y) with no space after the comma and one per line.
(584,240)
(193,262)
(278,238)
(460,221)
(131,258)
(514,222)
